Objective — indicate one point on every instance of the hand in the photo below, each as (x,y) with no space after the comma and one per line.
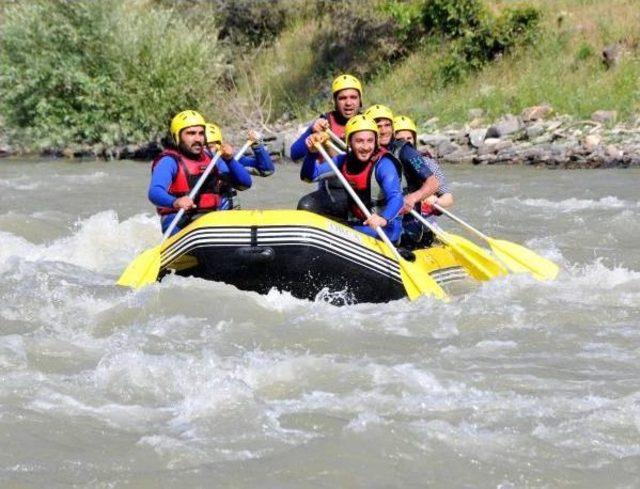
(376,221)
(226,151)
(320,125)
(410,202)
(184,203)
(254,136)
(428,209)
(310,144)
(315,138)
(432,199)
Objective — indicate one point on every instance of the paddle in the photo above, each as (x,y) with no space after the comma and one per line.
(416,282)
(339,141)
(144,269)
(516,257)
(478,262)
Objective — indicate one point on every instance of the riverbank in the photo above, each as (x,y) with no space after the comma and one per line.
(535,137)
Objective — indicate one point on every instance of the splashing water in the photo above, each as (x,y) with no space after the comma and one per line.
(515,383)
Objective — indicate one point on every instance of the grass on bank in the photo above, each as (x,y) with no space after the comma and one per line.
(563,68)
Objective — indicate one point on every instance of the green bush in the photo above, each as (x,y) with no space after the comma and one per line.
(110,72)
(453,18)
(251,22)
(357,38)
(492,38)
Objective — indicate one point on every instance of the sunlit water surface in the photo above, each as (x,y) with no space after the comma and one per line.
(189,383)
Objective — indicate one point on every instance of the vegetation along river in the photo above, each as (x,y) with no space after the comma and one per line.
(189,383)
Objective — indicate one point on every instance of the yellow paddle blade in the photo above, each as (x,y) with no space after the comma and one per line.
(477,261)
(523,260)
(143,270)
(418,282)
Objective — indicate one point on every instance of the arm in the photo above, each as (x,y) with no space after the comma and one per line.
(161,178)
(261,162)
(239,178)
(311,169)
(413,162)
(387,178)
(443,187)
(299,148)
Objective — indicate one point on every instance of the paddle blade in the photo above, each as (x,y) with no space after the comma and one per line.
(523,260)
(476,260)
(143,270)
(418,282)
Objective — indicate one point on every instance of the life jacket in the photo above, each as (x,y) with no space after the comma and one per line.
(365,186)
(407,185)
(189,171)
(337,128)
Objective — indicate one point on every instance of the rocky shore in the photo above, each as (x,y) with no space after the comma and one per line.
(534,137)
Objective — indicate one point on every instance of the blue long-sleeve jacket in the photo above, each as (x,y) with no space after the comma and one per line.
(165,172)
(415,168)
(385,174)
(260,163)
(299,148)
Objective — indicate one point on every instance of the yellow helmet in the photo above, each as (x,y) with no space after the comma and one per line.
(404,123)
(212,133)
(378,111)
(186,118)
(359,123)
(343,82)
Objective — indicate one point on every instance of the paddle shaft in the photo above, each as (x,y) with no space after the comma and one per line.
(435,229)
(356,199)
(461,222)
(335,148)
(337,139)
(199,184)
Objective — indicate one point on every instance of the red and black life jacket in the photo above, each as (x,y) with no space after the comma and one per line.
(189,171)
(363,181)
(336,127)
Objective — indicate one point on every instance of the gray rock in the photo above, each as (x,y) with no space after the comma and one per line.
(545,138)
(488,159)
(487,149)
(489,140)
(288,138)
(460,156)
(433,140)
(534,131)
(446,147)
(508,125)
(613,152)
(591,142)
(5,150)
(476,137)
(275,144)
(462,137)
(604,116)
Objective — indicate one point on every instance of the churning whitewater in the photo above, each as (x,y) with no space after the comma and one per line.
(513,383)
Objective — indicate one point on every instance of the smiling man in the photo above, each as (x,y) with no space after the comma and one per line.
(176,170)
(370,172)
(330,197)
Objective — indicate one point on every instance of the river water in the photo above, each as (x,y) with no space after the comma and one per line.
(189,383)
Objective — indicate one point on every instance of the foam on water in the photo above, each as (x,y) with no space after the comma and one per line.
(570,205)
(515,383)
(100,243)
